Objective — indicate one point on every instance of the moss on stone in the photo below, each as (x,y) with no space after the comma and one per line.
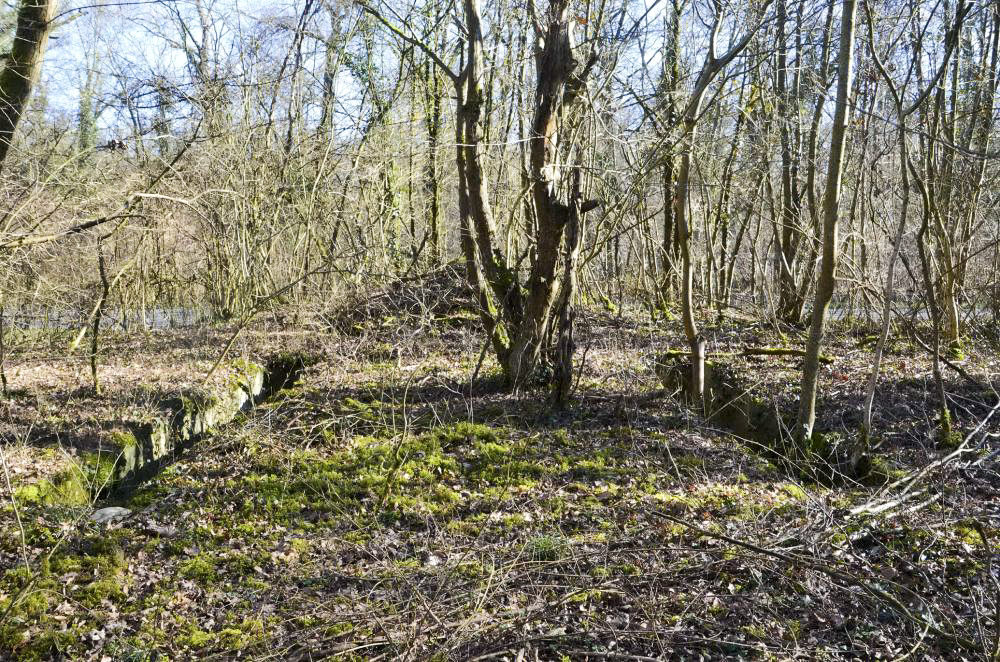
(69,487)
(124,439)
(284,368)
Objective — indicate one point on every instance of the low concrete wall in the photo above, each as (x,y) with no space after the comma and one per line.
(729,401)
(138,450)
(192,416)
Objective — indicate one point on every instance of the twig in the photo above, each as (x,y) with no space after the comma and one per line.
(954,366)
(995,653)
(123,214)
(908,481)
(835,574)
(582,655)
(13,504)
(248,317)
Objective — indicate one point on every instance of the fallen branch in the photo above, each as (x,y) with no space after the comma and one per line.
(910,479)
(32,240)
(750,351)
(864,584)
(954,366)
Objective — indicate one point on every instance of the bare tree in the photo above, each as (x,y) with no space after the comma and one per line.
(712,66)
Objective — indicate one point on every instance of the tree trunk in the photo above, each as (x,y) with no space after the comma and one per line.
(904,173)
(789,304)
(470,113)
(671,81)
(831,209)
(432,184)
(34,23)
(565,344)
(560,78)
(710,69)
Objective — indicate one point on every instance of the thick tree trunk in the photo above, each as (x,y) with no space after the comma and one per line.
(34,23)
(560,78)
(555,67)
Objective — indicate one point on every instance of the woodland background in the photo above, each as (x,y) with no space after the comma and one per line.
(672,184)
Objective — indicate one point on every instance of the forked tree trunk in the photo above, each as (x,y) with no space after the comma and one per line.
(711,68)
(519,320)
(560,79)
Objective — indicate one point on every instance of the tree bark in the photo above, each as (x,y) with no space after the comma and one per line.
(34,23)
(831,209)
(560,79)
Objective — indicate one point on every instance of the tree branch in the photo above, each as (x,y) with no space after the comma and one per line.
(410,39)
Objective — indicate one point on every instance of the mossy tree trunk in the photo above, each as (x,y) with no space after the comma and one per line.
(500,299)
(671,82)
(34,23)
(831,210)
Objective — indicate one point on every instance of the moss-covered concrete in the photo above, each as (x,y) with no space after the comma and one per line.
(137,450)
(730,401)
(192,415)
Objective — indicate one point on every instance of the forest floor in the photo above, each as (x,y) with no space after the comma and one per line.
(397,503)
